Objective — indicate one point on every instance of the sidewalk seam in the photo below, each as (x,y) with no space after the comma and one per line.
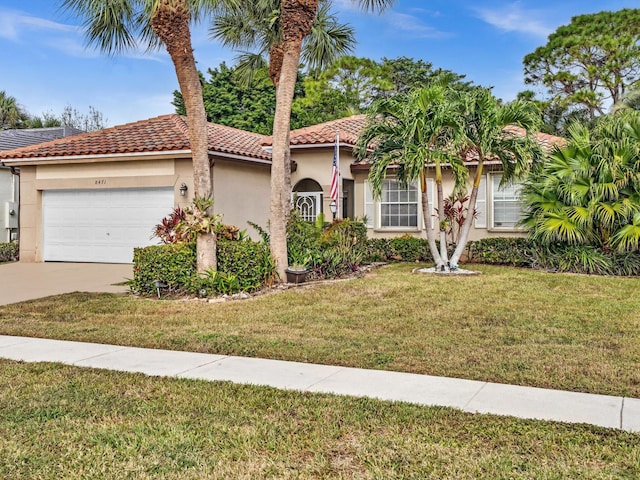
(473,397)
(340,369)
(225,357)
(622,414)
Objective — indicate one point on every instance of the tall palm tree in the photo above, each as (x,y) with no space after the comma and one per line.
(589,191)
(12,115)
(412,133)
(265,28)
(114,26)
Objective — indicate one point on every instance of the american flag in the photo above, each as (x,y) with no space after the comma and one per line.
(334,172)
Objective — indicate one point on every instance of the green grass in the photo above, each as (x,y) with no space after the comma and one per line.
(571,332)
(64,422)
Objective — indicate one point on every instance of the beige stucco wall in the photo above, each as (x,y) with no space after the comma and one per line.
(241,194)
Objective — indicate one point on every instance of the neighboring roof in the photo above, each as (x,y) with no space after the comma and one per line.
(24,137)
(167,133)
(325,133)
(547,142)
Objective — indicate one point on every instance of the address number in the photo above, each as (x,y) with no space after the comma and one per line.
(101,182)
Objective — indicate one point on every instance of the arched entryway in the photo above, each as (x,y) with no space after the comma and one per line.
(307,198)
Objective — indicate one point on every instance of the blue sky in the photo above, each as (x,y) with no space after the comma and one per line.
(46,66)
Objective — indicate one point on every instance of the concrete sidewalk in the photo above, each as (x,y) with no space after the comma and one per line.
(468,395)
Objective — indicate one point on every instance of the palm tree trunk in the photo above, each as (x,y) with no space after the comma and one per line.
(444,255)
(426,216)
(297,18)
(466,226)
(171,23)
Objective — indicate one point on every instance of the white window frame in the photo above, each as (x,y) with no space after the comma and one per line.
(374,206)
(493,180)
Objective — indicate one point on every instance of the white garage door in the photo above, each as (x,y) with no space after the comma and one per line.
(101,226)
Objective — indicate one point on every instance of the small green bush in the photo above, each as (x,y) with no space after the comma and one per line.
(9,252)
(242,266)
(517,252)
(329,251)
(403,249)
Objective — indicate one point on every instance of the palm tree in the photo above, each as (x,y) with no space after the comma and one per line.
(410,133)
(12,115)
(588,193)
(267,27)
(297,18)
(115,26)
(438,125)
(488,136)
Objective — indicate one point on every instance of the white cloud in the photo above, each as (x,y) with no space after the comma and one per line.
(513,18)
(14,24)
(412,25)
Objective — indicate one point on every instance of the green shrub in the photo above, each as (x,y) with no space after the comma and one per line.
(517,252)
(242,266)
(9,251)
(403,249)
(174,264)
(329,251)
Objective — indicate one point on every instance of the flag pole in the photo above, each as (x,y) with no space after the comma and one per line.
(339,200)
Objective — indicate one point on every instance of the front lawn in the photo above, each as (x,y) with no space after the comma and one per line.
(571,332)
(63,422)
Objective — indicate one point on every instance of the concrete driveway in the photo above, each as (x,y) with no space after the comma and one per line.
(27,281)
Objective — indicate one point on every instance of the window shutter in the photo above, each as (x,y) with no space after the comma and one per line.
(369,209)
(481,204)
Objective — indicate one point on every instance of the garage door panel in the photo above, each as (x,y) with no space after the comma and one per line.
(101,225)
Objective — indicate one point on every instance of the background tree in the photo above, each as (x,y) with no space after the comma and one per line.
(351,84)
(114,26)
(588,193)
(589,63)
(12,114)
(230,100)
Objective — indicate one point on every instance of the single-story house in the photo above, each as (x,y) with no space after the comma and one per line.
(96,196)
(9,183)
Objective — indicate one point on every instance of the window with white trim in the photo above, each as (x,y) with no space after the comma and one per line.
(506,207)
(398,205)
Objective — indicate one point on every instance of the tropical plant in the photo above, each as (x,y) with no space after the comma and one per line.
(115,26)
(412,133)
(286,31)
(588,193)
(412,136)
(12,115)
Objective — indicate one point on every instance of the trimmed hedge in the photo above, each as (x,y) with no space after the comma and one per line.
(517,252)
(557,257)
(9,252)
(400,249)
(242,266)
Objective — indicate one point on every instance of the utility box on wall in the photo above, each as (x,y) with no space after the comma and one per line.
(11,215)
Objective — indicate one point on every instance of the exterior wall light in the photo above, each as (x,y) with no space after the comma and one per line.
(183,189)
(333,206)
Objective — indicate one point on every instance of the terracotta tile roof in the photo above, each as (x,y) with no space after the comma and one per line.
(160,134)
(547,142)
(324,133)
